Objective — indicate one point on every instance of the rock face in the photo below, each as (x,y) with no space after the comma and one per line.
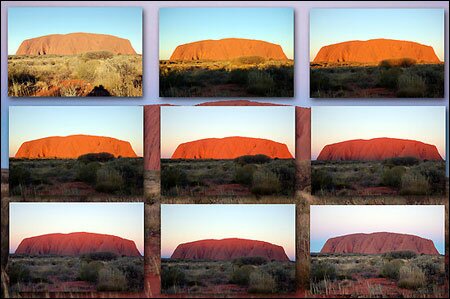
(75,244)
(228,249)
(378,243)
(74,43)
(378,149)
(73,146)
(376,50)
(227,49)
(230,148)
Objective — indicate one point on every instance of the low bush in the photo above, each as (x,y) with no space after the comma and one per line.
(399,62)
(109,180)
(111,280)
(251,260)
(411,277)
(323,270)
(88,172)
(261,282)
(260,83)
(89,271)
(392,177)
(19,273)
(402,161)
(391,269)
(97,55)
(252,159)
(172,276)
(244,174)
(411,86)
(99,256)
(414,184)
(406,254)
(321,181)
(96,157)
(265,183)
(172,177)
(389,78)
(241,275)
(253,60)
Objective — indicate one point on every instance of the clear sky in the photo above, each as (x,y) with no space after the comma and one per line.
(34,122)
(179,26)
(125,220)
(29,22)
(329,221)
(186,123)
(187,223)
(331,124)
(334,25)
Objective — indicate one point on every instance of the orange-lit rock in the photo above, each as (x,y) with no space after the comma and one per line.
(378,149)
(75,244)
(74,43)
(230,148)
(228,249)
(375,50)
(73,146)
(227,49)
(377,243)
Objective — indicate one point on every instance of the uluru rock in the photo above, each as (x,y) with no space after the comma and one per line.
(230,148)
(375,50)
(378,149)
(378,243)
(75,244)
(227,49)
(73,146)
(229,249)
(74,43)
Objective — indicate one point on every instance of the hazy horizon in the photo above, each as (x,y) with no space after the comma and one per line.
(28,123)
(184,25)
(35,219)
(184,223)
(335,25)
(30,22)
(329,221)
(332,124)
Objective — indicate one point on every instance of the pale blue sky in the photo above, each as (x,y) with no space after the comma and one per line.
(186,123)
(329,221)
(187,223)
(335,25)
(34,122)
(331,124)
(179,26)
(29,22)
(125,220)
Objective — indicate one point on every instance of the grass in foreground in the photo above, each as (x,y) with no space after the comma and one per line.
(396,176)
(242,77)
(237,177)
(246,275)
(88,74)
(75,274)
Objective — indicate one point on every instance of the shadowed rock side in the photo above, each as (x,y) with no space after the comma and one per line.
(228,249)
(75,43)
(75,244)
(376,50)
(378,243)
(73,146)
(230,148)
(378,149)
(226,49)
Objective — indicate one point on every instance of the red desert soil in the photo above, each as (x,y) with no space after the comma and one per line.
(74,43)
(378,243)
(73,146)
(376,50)
(228,249)
(74,244)
(227,49)
(230,148)
(378,149)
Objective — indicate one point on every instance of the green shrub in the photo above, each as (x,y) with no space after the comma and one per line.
(172,276)
(97,55)
(241,275)
(321,181)
(253,60)
(19,273)
(89,271)
(96,157)
(391,269)
(265,183)
(414,184)
(108,180)
(429,268)
(251,260)
(402,161)
(19,175)
(238,76)
(172,177)
(319,81)
(389,78)
(411,277)
(86,70)
(261,282)
(252,159)
(399,62)
(260,83)
(111,280)
(99,256)
(244,174)
(134,275)
(323,270)
(411,86)
(88,172)
(405,254)
(392,177)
